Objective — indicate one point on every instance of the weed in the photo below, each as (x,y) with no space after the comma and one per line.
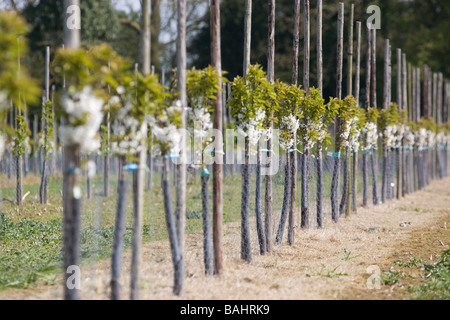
(328,273)
(348,255)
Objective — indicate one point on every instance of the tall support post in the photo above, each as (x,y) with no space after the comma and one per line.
(216,62)
(338,142)
(293,155)
(269,178)
(71,197)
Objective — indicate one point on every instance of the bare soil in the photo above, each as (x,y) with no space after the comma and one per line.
(313,268)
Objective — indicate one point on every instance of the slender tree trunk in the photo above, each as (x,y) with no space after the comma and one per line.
(119,231)
(354,188)
(44,187)
(319,185)
(19,184)
(258,207)
(345,178)
(72,218)
(216,62)
(286,198)
(365,175)
(171,226)
(385,169)
(305,190)
(246,250)
(374,165)
(207,240)
(138,216)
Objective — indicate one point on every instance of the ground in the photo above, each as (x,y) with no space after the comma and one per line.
(336,262)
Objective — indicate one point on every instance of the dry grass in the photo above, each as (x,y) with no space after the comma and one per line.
(292,272)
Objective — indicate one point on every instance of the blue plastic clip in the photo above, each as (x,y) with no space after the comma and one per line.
(130,167)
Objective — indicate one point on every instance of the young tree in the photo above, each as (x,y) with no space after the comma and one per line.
(128,140)
(202,86)
(249,100)
(287,118)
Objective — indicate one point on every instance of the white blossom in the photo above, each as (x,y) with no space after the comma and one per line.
(409,137)
(371,133)
(253,128)
(90,168)
(290,124)
(350,135)
(421,138)
(84,113)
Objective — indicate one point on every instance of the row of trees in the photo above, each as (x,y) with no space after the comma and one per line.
(101,87)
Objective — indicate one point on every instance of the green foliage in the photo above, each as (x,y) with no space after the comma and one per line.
(252,94)
(392,276)
(20,136)
(372,115)
(327,272)
(15,83)
(348,255)
(437,280)
(104,141)
(202,86)
(290,98)
(47,119)
(389,117)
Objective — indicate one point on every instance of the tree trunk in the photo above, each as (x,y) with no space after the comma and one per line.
(19,184)
(258,207)
(286,196)
(72,218)
(374,166)
(354,180)
(345,179)
(365,176)
(385,170)
(319,185)
(171,228)
(305,190)
(207,245)
(246,251)
(119,231)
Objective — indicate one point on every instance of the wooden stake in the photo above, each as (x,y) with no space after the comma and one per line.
(374,68)
(247,34)
(269,177)
(293,155)
(71,194)
(336,169)
(216,62)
